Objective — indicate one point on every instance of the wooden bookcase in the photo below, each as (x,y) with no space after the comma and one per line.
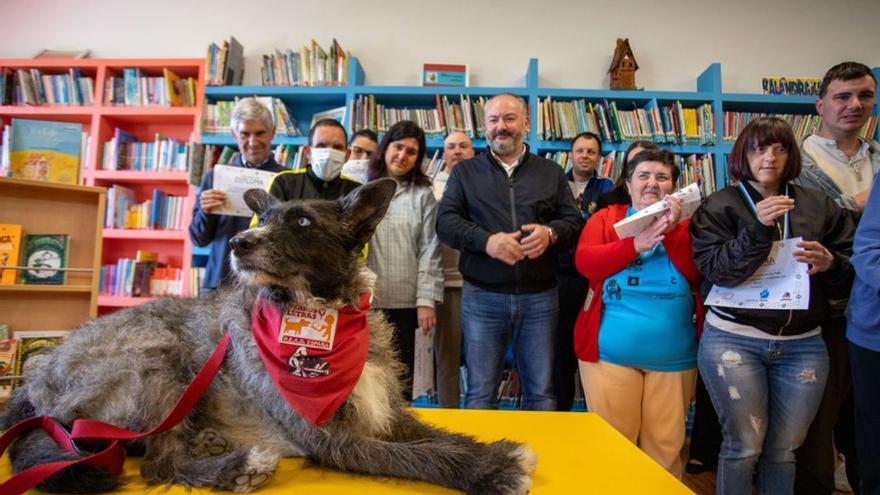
(144,122)
(47,208)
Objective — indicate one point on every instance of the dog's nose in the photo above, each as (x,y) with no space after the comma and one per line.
(242,243)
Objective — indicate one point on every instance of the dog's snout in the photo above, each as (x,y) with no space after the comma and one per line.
(243,243)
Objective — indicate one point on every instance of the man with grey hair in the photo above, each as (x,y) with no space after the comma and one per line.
(253,129)
(509,212)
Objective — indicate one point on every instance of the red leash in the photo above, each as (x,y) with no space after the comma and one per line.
(113,456)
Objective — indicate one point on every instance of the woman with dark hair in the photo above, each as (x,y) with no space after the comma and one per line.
(404,251)
(636,339)
(619,195)
(765,369)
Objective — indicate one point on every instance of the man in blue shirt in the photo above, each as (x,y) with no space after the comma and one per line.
(253,129)
(586,186)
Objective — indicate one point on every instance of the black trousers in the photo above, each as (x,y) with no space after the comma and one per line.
(706,433)
(866,390)
(572,292)
(833,424)
(406,323)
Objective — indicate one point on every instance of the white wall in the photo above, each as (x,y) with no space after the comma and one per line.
(674,41)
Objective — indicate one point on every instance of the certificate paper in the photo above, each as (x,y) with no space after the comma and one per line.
(780,283)
(234,181)
(631,226)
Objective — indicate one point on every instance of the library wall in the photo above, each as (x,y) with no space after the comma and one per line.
(573,39)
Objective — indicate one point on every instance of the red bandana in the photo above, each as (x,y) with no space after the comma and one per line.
(314,355)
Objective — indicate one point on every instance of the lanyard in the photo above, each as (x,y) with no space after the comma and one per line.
(745,193)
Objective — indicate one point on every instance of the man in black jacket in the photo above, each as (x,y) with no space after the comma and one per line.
(509,212)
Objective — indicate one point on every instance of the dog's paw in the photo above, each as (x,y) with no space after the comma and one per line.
(506,469)
(256,472)
(210,442)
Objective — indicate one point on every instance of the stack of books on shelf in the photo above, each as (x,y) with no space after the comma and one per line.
(32,87)
(802,125)
(134,88)
(43,150)
(375,116)
(694,167)
(465,115)
(290,156)
(311,65)
(673,124)
(143,276)
(161,212)
(217,117)
(125,152)
(226,63)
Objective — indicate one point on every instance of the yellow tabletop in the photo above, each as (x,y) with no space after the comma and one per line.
(577,453)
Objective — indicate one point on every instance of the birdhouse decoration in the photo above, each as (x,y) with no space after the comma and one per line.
(623,66)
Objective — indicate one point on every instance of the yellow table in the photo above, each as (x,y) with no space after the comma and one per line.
(577,453)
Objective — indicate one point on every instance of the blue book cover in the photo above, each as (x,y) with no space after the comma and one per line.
(45,150)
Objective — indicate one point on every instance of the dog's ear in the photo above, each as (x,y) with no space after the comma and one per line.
(364,208)
(259,200)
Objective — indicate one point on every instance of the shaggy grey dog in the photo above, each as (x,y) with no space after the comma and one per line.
(130,367)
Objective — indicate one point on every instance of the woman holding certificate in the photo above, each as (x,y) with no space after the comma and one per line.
(764,362)
(636,339)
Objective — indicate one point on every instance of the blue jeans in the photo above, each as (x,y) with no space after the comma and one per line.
(766,393)
(488,321)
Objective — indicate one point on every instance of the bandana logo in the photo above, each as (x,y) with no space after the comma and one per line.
(304,326)
(304,366)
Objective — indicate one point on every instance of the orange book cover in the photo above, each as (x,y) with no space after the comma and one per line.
(10,248)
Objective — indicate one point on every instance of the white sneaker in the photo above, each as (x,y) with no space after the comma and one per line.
(841,483)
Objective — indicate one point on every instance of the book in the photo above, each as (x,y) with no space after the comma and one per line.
(7,366)
(34,346)
(10,247)
(45,150)
(337,114)
(42,252)
(444,75)
(233,70)
(172,87)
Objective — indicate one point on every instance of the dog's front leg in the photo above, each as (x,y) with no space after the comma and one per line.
(169,458)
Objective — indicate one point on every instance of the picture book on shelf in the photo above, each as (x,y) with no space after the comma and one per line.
(7,365)
(10,247)
(44,150)
(33,346)
(42,253)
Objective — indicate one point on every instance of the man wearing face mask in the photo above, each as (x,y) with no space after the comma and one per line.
(363,146)
(322,179)
(253,130)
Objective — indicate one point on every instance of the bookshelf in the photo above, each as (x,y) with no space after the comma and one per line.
(47,208)
(144,122)
(305,101)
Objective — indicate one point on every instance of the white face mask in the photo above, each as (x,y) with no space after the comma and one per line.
(357,169)
(327,163)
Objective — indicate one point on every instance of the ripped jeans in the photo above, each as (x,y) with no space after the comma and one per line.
(766,393)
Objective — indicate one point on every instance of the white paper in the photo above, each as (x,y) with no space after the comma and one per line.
(423,365)
(234,181)
(781,282)
(633,225)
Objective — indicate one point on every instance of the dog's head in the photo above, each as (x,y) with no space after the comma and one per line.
(310,247)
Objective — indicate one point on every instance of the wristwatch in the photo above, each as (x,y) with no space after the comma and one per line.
(552,235)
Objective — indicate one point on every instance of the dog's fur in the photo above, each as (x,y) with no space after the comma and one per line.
(130,367)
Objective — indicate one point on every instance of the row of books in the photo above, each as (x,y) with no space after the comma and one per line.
(38,252)
(695,167)
(465,115)
(225,63)
(32,87)
(801,124)
(196,279)
(125,152)
(16,353)
(142,276)
(311,65)
(375,116)
(290,156)
(123,211)
(136,89)
(217,117)
(43,150)
(665,124)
